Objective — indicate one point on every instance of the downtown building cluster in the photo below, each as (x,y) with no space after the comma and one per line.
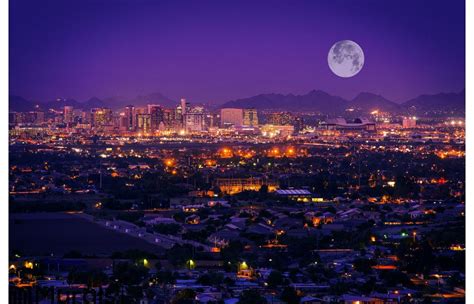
(147,120)
(154,120)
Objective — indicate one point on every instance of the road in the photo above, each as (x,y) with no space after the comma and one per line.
(165,241)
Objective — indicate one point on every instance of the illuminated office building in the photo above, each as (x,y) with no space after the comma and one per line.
(130,116)
(194,120)
(409,122)
(156,116)
(250,118)
(68,114)
(101,117)
(231,117)
(144,123)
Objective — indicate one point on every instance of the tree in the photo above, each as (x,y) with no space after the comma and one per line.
(395,278)
(179,254)
(275,279)
(158,266)
(251,296)
(130,274)
(212,278)
(233,252)
(135,292)
(363,265)
(165,277)
(290,296)
(263,189)
(184,296)
(93,278)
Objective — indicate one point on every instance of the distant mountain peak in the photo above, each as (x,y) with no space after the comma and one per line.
(93,98)
(438,102)
(369,95)
(317,92)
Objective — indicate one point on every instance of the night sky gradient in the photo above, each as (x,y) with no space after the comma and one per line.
(215,51)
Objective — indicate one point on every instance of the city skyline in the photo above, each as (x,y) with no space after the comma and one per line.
(215,53)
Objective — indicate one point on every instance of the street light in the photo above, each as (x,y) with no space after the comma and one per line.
(190,264)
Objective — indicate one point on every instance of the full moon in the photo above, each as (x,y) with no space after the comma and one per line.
(346,58)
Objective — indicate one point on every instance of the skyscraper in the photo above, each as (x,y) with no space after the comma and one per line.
(194,120)
(280,118)
(123,122)
(250,118)
(231,117)
(130,116)
(168,117)
(68,114)
(86,117)
(156,116)
(101,117)
(185,106)
(144,123)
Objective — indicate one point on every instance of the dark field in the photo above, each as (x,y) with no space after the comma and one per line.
(59,233)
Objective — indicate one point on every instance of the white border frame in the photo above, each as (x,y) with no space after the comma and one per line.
(469,6)
(4,150)
(4,12)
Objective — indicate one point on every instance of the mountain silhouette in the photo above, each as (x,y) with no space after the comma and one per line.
(438,102)
(316,100)
(313,101)
(19,104)
(367,102)
(363,103)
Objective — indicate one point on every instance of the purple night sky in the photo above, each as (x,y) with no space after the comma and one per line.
(214,51)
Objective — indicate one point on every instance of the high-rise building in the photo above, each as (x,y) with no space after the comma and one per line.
(181,111)
(156,116)
(68,114)
(130,116)
(232,117)
(409,122)
(280,118)
(144,123)
(116,121)
(141,110)
(123,122)
(184,106)
(194,120)
(250,118)
(32,117)
(212,120)
(168,117)
(86,117)
(39,117)
(101,117)
(298,124)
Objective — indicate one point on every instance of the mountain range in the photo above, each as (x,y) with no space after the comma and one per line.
(363,103)
(20,104)
(314,101)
